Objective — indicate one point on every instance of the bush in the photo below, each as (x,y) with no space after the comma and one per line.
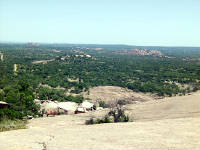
(99,121)
(103,104)
(107,119)
(117,113)
(7,113)
(90,121)
(123,102)
(77,99)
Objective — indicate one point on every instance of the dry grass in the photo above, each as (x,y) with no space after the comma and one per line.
(7,125)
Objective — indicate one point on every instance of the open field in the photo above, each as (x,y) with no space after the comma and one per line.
(166,124)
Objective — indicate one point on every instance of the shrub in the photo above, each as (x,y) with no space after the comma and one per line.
(90,121)
(7,113)
(77,99)
(99,121)
(107,119)
(103,104)
(117,113)
(123,102)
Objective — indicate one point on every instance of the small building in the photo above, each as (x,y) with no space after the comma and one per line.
(3,105)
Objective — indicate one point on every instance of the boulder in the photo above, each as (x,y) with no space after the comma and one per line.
(87,105)
(99,108)
(52,112)
(49,108)
(62,111)
(80,110)
(68,106)
(49,105)
(29,117)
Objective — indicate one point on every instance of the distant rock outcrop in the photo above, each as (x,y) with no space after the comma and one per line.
(33,44)
(143,52)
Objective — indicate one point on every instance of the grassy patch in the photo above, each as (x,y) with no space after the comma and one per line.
(6,125)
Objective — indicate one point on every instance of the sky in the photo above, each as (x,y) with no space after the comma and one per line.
(132,22)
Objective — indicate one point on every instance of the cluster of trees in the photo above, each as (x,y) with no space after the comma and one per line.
(20,98)
(45,93)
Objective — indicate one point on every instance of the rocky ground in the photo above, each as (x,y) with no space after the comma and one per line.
(164,124)
(113,93)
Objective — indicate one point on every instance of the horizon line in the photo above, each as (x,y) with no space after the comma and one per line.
(9,42)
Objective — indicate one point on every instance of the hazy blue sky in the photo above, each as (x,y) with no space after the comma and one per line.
(134,22)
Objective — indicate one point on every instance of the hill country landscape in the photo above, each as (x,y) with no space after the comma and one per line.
(99,75)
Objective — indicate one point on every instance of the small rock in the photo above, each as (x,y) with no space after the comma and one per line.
(99,108)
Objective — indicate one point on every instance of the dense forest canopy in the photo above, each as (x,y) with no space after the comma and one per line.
(49,71)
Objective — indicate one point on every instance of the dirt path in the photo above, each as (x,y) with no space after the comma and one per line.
(168,124)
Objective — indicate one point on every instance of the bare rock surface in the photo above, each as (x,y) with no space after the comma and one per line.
(166,124)
(114,93)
